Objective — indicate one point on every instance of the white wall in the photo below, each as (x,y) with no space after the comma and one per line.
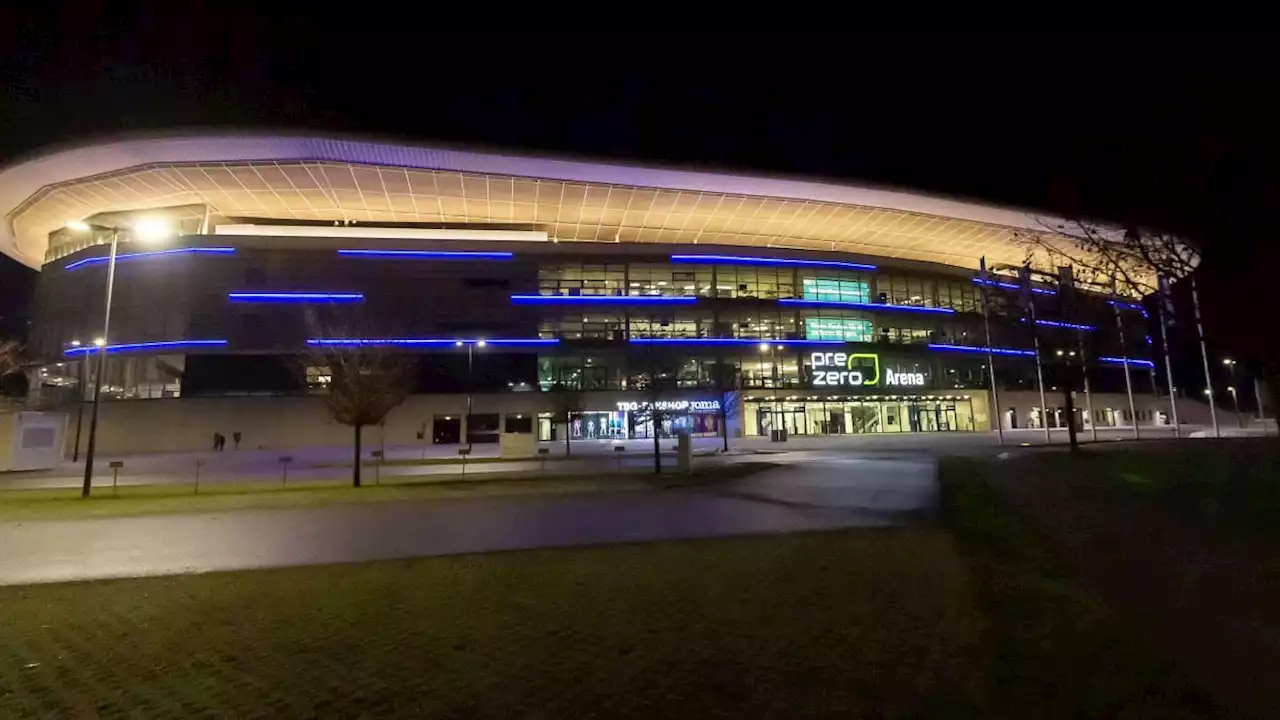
(31,440)
(1023,401)
(177,425)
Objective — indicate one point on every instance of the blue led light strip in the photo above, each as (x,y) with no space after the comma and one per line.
(732,341)
(865,306)
(131,347)
(737,260)
(154,253)
(601,300)
(973,349)
(1013,286)
(1131,361)
(429,254)
(293,297)
(1069,326)
(1125,305)
(428,342)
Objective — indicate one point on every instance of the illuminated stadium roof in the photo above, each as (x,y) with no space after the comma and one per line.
(239,177)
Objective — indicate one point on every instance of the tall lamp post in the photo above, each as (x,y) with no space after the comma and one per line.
(466,422)
(774,378)
(1235,399)
(84,379)
(143,230)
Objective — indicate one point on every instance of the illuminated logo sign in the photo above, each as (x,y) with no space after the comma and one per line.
(673,405)
(832,369)
(911,379)
(839,369)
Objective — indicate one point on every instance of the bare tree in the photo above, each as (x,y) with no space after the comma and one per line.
(654,386)
(366,383)
(726,382)
(1099,255)
(13,384)
(10,356)
(366,379)
(568,403)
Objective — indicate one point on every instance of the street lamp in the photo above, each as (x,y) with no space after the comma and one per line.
(471,346)
(1231,365)
(147,230)
(773,374)
(1235,401)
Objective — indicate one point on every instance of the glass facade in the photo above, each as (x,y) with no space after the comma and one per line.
(839,416)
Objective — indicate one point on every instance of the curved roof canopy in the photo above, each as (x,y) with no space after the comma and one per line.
(317,178)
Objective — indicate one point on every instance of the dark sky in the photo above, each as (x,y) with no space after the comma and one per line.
(1163,130)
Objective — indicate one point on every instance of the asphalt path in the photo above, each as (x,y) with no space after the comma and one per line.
(818,493)
(591,457)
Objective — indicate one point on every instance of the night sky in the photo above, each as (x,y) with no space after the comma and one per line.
(1153,130)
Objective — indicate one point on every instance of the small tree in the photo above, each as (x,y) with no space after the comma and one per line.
(654,387)
(568,403)
(726,383)
(365,384)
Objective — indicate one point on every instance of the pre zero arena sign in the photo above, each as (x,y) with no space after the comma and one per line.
(832,369)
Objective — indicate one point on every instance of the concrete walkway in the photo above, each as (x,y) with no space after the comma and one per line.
(820,494)
(590,457)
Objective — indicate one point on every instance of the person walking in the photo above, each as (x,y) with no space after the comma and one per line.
(217,441)
(235,437)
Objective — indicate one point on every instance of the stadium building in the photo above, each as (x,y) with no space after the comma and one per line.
(741,304)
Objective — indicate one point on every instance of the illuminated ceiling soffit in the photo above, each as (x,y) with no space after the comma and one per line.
(566,210)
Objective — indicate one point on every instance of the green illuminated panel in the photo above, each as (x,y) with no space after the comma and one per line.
(847,329)
(835,290)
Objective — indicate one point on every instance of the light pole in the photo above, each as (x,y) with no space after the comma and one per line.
(1235,399)
(773,376)
(144,230)
(84,379)
(471,346)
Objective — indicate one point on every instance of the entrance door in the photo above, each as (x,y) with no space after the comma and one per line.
(947,418)
(446,429)
(796,424)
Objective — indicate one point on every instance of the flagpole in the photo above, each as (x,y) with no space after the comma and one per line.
(1088,393)
(1035,339)
(1168,366)
(996,414)
(1124,358)
(1204,356)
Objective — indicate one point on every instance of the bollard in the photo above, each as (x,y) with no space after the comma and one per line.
(542,455)
(199,462)
(284,470)
(377,467)
(463,453)
(115,474)
(617,452)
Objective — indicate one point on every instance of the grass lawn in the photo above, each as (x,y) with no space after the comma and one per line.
(972,619)
(845,623)
(1054,648)
(66,503)
(1230,484)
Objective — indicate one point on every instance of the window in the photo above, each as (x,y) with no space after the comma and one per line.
(670,326)
(582,280)
(664,280)
(519,423)
(318,377)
